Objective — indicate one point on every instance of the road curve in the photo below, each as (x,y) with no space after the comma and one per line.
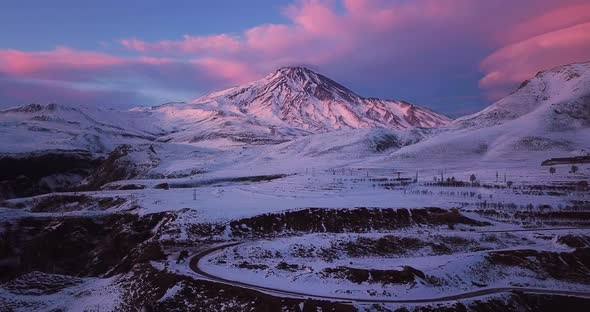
(195,260)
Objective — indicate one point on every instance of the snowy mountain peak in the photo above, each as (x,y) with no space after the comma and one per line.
(304,76)
(294,70)
(297,97)
(557,98)
(305,80)
(298,73)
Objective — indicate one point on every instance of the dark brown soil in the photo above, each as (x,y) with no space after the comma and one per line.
(358,220)
(574,241)
(21,175)
(574,216)
(569,266)
(389,245)
(126,187)
(67,203)
(78,246)
(251,266)
(405,276)
(289,267)
(38,283)
(386,245)
(117,166)
(566,161)
(260,178)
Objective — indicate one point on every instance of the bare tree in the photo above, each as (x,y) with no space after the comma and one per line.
(552,170)
(472,178)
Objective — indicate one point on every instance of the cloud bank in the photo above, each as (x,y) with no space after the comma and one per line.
(452,55)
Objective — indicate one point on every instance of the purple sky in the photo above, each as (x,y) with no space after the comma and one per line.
(455,56)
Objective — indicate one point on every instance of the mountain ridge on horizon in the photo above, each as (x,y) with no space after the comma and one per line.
(293,102)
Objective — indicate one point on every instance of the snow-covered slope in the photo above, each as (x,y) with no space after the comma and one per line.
(53,126)
(556,99)
(547,115)
(197,124)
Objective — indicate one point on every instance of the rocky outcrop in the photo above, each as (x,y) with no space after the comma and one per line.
(43,172)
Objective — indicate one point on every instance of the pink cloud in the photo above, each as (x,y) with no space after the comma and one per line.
(234,72)
(274,39)
(519,61)
(315,17)
(536,37)
(318,33)
(135,44)
(22,63)
(68,75)
(559,18)
(367,42)
(155,60)
(189,45)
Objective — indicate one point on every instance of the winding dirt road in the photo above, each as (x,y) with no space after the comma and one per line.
(196,259)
